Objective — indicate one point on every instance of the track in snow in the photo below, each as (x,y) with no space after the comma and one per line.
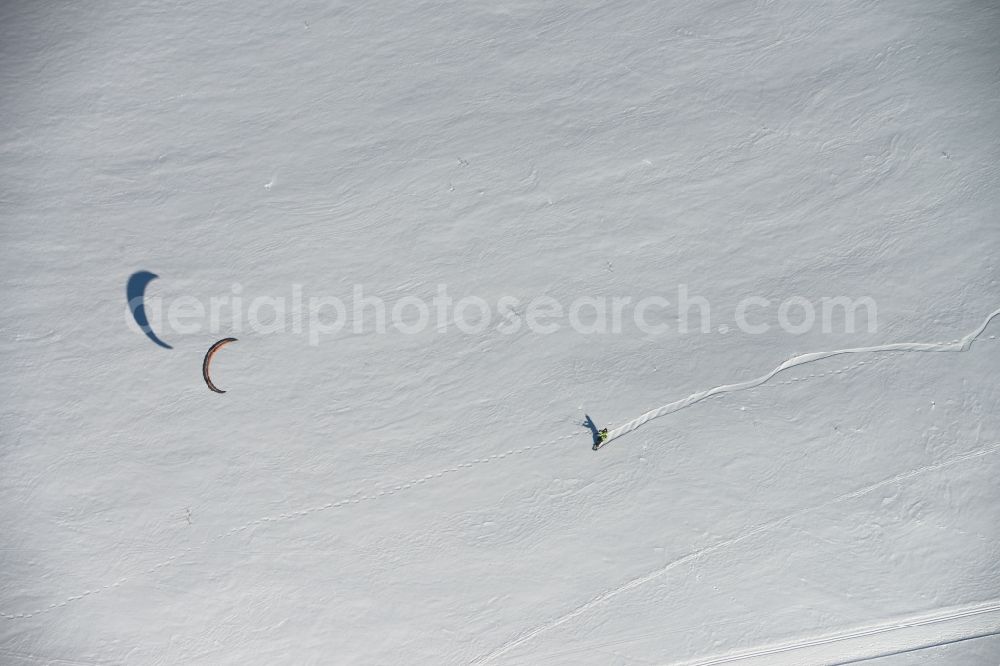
(880,639)
(958,346)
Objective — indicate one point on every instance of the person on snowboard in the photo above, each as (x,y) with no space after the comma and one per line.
(599,435)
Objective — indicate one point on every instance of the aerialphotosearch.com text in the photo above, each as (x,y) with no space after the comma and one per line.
(322,316)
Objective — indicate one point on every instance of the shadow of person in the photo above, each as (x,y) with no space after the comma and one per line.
(589,424)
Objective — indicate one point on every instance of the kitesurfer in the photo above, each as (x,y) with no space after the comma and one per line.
(599,435)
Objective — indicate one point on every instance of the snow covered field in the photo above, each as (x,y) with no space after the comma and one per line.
(428,495)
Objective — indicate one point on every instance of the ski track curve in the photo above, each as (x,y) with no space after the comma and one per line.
(721,545)
(960,345)
(358,497)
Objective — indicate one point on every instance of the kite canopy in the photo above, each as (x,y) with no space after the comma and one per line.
(208,360)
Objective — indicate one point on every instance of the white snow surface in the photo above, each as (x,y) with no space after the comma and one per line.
(432,498)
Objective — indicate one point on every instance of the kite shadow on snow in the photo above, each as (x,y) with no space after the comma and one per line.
(135,292)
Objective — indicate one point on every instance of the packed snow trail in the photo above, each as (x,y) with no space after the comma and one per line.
(888,637)
(958,346)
